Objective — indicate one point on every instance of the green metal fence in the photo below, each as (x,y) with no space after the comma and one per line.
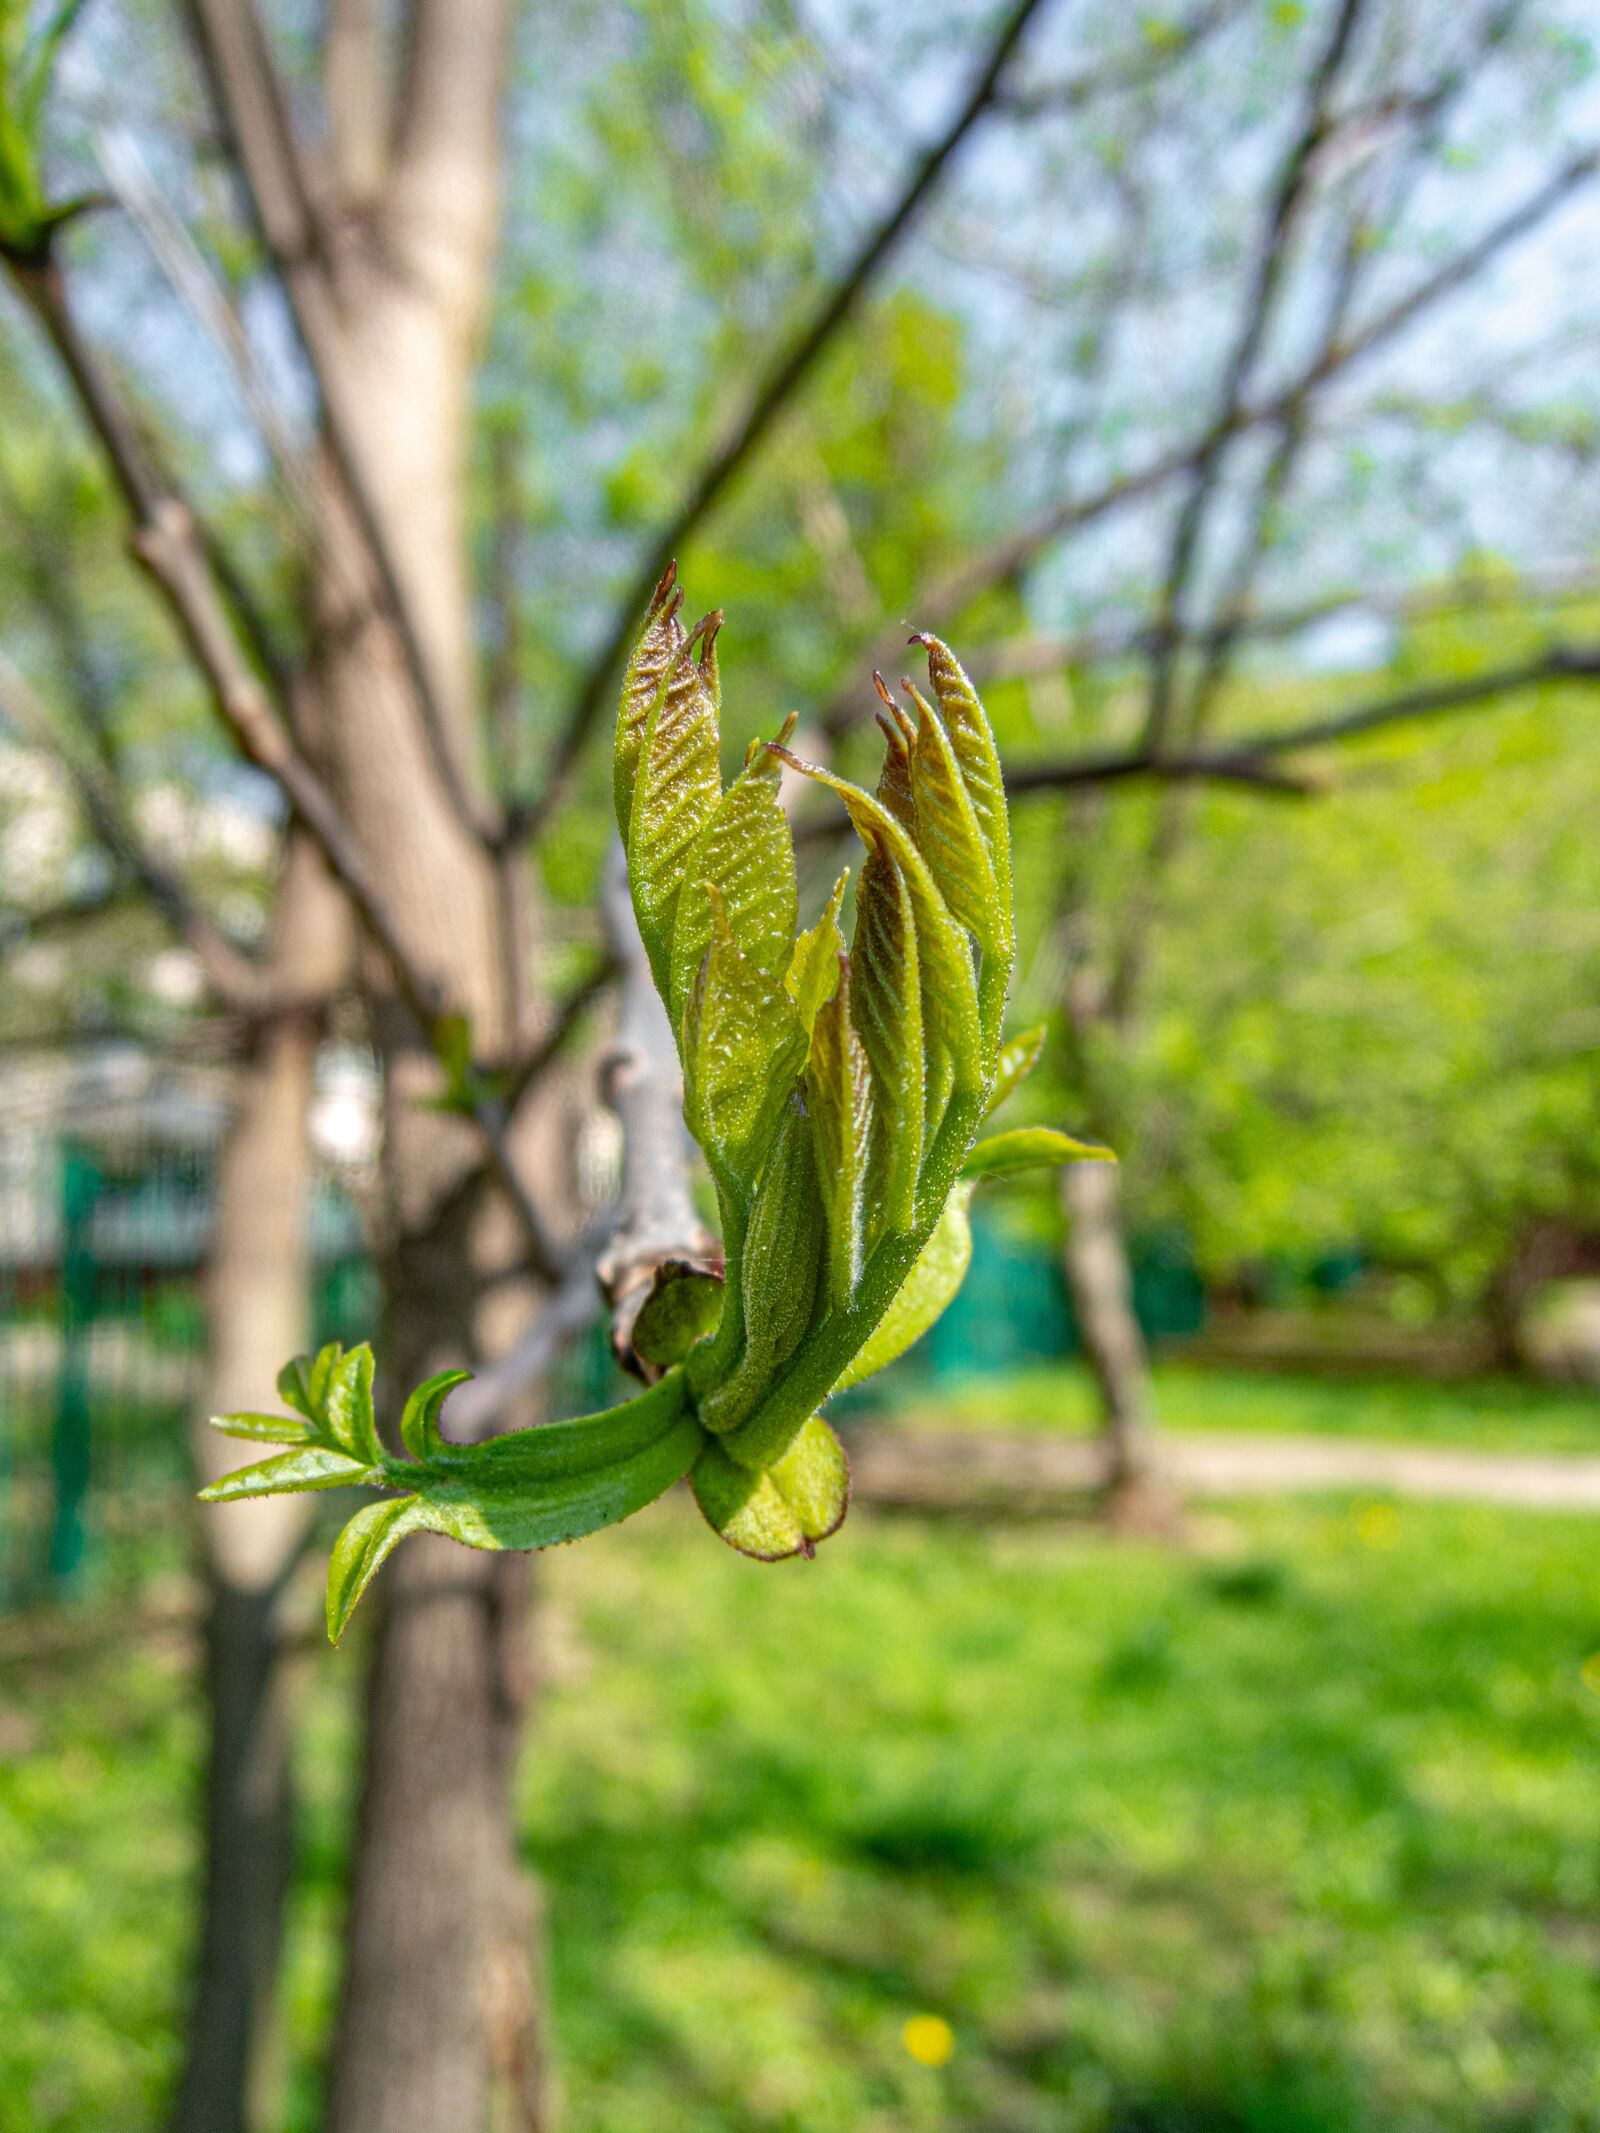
(102,1343)
(103,1235)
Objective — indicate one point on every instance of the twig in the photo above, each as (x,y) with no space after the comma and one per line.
(1006,559)
(1244,760)
(249,98)
(1021,658)
(167,542)
(1145,63)
(238,982)
(783,379)
(1284,207)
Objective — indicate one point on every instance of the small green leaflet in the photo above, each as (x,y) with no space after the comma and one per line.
(419,1421)
(1030,1148)
(676,790)
(814,966)
(1016,1062)
(361,1548)
(743,1047)
(747,851)
(939,1271)
(309,1466)
(780,1510)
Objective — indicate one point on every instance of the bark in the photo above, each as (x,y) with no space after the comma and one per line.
(258,1295)
(1099,1279)
(438,2022)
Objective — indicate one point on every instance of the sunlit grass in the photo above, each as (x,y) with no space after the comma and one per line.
(1493,1414)
(955,1828)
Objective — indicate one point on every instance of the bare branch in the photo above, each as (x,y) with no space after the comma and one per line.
(238,982)
(1007,558)
(1138,68)
(1021,658)
(250,101)
(1247,758)
(783,379)
(1284,208)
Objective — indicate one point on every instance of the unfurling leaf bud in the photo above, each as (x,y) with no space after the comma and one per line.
(836,1092)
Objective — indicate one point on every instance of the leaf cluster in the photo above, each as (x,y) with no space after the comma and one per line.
(27,66)
(836,1092)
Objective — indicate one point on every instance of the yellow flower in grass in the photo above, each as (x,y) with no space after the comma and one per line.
(1378,1526)
(929,2039)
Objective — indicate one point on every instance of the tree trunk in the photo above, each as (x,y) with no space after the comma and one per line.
(438,2023)
(1139,1497)
(258,1294)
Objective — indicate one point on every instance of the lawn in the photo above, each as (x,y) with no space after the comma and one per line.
(1298,1832)
(1491,1414)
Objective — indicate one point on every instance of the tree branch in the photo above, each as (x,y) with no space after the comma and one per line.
(1145,63)
(1007,558)
(1022,658)
(167,542)
(1248,759)
(783,379)
(237,980)
(1283,212)
(249,100)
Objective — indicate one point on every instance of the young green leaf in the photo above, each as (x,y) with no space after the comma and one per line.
(659,644)
(972,741)
(746,850)
(779,1266)
(839,1093)
(1030,1148)
(263,1429)
(781,1510)
(947,1012)
(938,1272)
(1017,1061)
(951,838)
(361,1548)
(294,1386)
(311,1466)
(419,1420)
(533,1488)
(814,966)
(683,1306)
(887,1010)
(347,1406)
(743,1047)
(675,795)
(320,1375)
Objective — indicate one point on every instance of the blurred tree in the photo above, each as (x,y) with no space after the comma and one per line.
(1198,282)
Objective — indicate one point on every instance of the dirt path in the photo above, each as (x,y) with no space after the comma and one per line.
(1034,1471)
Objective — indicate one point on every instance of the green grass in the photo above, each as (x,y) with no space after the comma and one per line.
(1493,1414)
(1297,1833)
